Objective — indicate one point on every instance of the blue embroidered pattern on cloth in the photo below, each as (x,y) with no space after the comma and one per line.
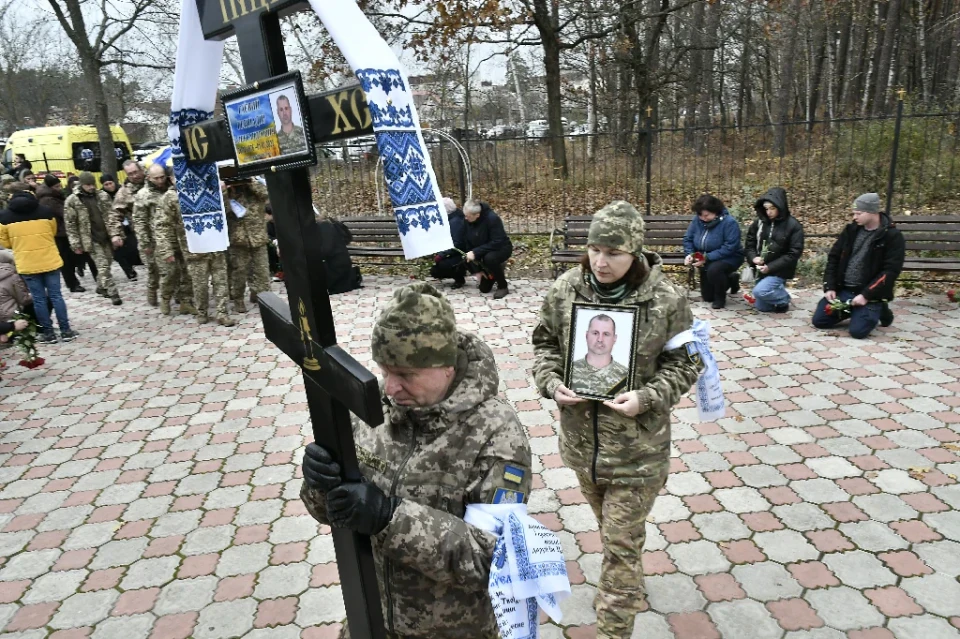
(198,186)
(529,570)
(405,166)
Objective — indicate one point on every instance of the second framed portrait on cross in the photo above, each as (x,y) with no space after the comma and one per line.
(600,356)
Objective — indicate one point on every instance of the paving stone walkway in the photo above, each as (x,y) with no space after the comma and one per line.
(149,480)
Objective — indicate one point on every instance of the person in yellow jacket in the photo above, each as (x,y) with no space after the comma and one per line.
(29,229)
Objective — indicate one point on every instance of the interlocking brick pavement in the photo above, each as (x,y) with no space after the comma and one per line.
(149,479)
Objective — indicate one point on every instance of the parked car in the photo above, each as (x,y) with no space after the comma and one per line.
(538,129)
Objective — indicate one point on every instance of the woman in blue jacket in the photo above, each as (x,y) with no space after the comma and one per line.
(715,235)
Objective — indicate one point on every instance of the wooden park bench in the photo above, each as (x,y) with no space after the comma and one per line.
(375,240)
(664,235)
(933,243)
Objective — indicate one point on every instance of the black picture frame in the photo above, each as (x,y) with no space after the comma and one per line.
(624,320)
(252,123)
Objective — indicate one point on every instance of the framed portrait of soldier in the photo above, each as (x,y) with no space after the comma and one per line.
(601,351)
(269,125)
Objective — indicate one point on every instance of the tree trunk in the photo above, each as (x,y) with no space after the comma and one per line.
(953,65)
(694,73)
(787,63)
(744,66)
(925,68)
(839,77)
(882,76)
(704,111)
(551,59)
(820,54)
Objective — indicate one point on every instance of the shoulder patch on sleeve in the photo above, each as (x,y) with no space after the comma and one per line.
(693,354)
(507,496)
(513,474)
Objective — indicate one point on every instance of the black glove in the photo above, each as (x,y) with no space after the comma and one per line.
(361,507)
(320,472)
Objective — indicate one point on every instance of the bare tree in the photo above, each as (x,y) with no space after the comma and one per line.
(97,33)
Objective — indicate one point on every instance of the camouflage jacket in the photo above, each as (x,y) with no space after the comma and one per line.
(594,439)
(432,567)
(168,227)
(146,209)
(598,381)
(251,229)
(123,203)
(76,219)
(292,142)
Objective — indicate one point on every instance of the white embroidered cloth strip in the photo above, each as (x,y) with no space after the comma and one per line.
(711,404)
(527,572)
(411,182)
(194,96)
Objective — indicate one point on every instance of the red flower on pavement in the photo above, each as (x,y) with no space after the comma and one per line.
(749,299)
(952,296)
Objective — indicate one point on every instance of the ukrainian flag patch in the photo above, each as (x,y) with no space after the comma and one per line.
(507,496)
(513,474)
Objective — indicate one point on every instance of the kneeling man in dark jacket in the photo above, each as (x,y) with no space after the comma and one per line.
(488,246)
(773,249)
(862,268)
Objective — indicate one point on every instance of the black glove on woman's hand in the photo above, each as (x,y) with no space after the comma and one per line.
(320,472)
(361,507)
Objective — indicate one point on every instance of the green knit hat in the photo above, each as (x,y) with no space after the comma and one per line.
(417,329)
(619,226)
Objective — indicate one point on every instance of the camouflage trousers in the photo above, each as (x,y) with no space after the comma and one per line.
(102,255)
(174,279)
(248,266)
(212,266)
(622,511)
(153,272)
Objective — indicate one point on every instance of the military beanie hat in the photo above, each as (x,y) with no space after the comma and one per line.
(417,329)
(619,226)
(86,178)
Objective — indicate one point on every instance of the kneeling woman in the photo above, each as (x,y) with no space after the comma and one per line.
(620,449)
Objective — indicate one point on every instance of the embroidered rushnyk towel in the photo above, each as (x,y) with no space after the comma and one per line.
(528,571)
(411,182)
(711,404)
(195,85)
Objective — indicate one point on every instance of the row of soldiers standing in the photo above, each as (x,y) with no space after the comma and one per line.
(150,203)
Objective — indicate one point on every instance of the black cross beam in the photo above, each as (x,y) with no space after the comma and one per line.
(304,329)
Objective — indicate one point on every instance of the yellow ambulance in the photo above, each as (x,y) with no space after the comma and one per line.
(64,150)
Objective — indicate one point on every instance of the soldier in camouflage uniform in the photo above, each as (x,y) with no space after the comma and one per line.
(164,274)
(620,449)
(85,215)
(289,135)
(597,373)
(448,441)
(249,262)
(202,267)
(125,203)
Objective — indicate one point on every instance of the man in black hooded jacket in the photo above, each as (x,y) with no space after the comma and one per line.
(773,248)
(488,246)
(862,269)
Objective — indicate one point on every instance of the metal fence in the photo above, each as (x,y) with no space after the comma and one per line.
(911,158)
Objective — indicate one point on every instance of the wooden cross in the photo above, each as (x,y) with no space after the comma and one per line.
(335,383)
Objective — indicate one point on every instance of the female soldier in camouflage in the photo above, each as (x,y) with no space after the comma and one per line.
(620,449)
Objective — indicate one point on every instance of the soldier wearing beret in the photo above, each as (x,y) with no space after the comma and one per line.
(619,449)
(448,441)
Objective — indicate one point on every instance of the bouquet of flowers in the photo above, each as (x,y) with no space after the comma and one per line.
(838,308)
(479,264)
(26,341)
(698,257)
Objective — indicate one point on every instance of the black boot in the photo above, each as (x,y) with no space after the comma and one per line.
(886,315)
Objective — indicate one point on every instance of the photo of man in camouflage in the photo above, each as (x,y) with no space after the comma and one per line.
(290,136)
(597,373)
